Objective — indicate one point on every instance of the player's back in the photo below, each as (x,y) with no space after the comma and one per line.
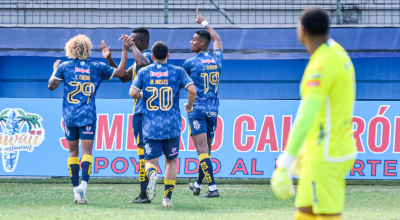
(81,78)
(161,83)
(330,73)
(205,69)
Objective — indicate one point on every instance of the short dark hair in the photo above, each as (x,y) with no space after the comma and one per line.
(159,50)
(142,31)
(204,35)
(315,21)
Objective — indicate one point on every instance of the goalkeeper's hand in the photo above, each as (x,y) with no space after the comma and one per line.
(281,182)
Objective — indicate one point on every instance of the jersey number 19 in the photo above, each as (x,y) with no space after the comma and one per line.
(213,78)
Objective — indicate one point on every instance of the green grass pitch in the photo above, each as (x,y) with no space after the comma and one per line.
(53,199)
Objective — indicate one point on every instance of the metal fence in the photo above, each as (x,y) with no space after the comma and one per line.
(229,12)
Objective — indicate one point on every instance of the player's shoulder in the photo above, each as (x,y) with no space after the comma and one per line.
(174,68)
(191,60)
(67,63)
(218,52)
(96,63)
(147,68)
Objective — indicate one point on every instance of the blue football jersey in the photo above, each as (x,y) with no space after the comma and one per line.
(161,83)
(205,69)
(81,78)
(138,103)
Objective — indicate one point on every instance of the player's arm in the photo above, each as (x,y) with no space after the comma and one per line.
(187,83)
(214,35)
(120,71)
(136,87)
(191,97)
(140,59)
(54,81)
(107,55)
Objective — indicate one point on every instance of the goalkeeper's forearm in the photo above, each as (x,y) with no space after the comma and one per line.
(306,114)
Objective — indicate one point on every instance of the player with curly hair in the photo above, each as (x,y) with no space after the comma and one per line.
(82,79)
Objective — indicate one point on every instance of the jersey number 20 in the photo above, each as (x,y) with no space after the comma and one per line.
(86,88)
(212,78)
(165,98)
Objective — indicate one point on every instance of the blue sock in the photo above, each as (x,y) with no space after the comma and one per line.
(169,188)
(86,166)
(150,169)
(144,181)
(73,165)
(200,176)
(206,166)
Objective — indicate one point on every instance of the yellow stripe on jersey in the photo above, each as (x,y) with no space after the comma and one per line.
(135,88)
(58,78)
(330,78)
(191,83)
(112,75)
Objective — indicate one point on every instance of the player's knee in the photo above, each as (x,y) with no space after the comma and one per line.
(170,161)
(151,162)
(73,152)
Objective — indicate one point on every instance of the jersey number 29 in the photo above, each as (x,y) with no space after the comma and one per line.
(86,88)
(165,98)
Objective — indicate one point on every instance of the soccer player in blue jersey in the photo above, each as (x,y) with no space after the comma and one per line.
(82,79)
(205,69)
(160,84)
(142,56)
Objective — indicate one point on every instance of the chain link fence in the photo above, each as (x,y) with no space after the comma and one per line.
(227,12)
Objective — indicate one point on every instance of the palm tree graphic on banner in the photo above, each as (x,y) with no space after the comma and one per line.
(14,138)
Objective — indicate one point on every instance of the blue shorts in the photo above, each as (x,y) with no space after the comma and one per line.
(155,148)
(137,121)
(203,122)
(84,133)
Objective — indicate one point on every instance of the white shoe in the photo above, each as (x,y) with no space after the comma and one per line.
(81,195)
(76,196)
(167,203)
(152,186)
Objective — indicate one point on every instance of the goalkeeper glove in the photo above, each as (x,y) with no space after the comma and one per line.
(281,182)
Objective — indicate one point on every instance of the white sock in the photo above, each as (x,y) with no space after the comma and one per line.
(75,189)
(84,184)
(197,185)
(212,187)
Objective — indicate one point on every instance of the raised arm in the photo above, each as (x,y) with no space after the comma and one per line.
(120,71)
(214,35)
(140,59)
(107,55)
(53,82)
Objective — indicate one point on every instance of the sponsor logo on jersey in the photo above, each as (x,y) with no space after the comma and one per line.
(206,54)
(82,70)
(82,63)
(314,83)
(158,74)
(19,131)
(208,61)
(88,130)
(174,151)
